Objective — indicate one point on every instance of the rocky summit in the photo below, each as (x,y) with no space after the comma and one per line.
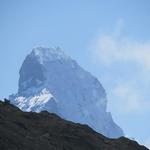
(46,131)
(51,80)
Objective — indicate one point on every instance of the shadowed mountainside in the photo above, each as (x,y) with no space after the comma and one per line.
(46,131)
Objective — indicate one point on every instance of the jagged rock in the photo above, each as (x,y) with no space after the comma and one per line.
(50,80)
(45,131)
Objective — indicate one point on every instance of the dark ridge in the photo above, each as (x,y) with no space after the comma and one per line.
(45,131)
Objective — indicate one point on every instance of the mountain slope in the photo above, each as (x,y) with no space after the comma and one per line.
(76,95)
(37,131)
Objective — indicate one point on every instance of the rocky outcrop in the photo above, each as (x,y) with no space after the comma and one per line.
(76,95)
(46,131)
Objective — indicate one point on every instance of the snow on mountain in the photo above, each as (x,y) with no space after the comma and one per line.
(41,101)
(51,80)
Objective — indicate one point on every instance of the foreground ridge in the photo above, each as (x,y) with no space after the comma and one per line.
(47,131)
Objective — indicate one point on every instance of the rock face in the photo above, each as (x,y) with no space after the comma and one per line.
(50,80)
(45,131)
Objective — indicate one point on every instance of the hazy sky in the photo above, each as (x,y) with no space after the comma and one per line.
(109,38)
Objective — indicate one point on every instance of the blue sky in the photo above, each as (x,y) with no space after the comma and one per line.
(111,39)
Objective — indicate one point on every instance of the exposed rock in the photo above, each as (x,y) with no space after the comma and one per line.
(46,131)
(76,95)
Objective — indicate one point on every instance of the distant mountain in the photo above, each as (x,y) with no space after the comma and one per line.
(50,80)
(46,131)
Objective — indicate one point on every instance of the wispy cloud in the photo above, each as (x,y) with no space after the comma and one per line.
(124,65)
(128,98)
(114,48)
(116,52)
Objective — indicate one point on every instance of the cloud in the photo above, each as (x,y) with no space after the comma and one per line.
(124,65)
(114,48)
(126,62)
(129,99)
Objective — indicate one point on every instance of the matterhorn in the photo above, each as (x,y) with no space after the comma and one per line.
(51,80)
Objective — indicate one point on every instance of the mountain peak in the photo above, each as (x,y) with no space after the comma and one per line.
(77,95)
(45,54)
